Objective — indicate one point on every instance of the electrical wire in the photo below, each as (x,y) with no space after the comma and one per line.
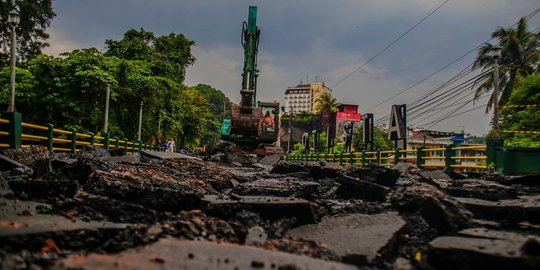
(529,16)
(389,45)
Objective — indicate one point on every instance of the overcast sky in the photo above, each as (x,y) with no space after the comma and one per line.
(301,39)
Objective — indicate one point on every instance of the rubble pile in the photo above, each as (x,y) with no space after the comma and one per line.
(101,210)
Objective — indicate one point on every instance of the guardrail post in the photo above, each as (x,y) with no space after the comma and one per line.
(364,158)
(379,157)
(397,155)
(14,128)
(49,143)
(92,139)
(116,142)
(107,140)
(133,145)
(351,158)
(448,161)
(126,146)
(491,150)
(340,159)
(419,157)
(73,136)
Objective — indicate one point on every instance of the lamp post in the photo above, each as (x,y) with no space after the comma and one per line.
(13,19)
(107,96)
(496,54)
(140,123)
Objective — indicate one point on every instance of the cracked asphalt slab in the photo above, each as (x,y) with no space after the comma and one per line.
(175,211)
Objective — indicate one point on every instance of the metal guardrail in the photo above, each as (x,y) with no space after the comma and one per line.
(17,134)
(424,158)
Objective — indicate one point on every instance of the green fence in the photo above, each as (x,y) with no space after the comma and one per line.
(510,161)
(14,133)
(447,158)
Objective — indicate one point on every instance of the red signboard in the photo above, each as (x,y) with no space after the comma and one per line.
(353,117)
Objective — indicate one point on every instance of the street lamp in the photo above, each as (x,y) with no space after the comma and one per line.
(13,19)
(107,97)
(496,54)
(140,122)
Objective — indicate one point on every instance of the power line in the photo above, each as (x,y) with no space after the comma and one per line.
(438,100)
(389,45)
(529,16)
(436,121)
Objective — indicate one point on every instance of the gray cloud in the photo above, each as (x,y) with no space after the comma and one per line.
(329,38)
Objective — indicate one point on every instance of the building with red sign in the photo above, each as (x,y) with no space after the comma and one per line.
(346,113)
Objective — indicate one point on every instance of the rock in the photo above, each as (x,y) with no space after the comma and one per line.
(218,157)
(37,188)
(404,167)
(525,208)
(361,189)
(36,157)
(256,235)
(285,167)
(356,238)
(22,218)
(268,207)
(270,160)
(17,168)
(436,175)
(378,175)
(61,160)
(481,248)
(402,264)
(166,155)
(178,254)
(283,187)
(133,158)
(439,210)
(526,180)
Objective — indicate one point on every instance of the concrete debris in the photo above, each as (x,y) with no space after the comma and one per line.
(356,238)
(230,210)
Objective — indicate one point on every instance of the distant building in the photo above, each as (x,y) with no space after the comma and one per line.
(302,98)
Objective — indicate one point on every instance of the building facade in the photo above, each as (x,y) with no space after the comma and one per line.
(302,98)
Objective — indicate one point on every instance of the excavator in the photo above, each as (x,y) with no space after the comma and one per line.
(252,125)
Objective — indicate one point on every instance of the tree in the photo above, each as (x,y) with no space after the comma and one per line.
(326,103)
(36,16)
(522,118)
(519,57)
(380,141)
(216,101)
(169,55)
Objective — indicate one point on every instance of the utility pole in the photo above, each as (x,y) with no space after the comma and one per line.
(290,130)
(496,53)
(140,123)
(13,20)
(107,96)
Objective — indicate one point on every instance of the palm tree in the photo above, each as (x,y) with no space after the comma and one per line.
(326,103)
(520,56)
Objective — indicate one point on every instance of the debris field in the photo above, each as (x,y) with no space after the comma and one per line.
(101,210)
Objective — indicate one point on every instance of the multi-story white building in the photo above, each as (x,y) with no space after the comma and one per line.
(302,98)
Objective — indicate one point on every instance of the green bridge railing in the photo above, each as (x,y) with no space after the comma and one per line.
(14,134)
(448,157)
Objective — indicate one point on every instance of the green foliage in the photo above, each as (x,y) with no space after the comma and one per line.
(523,118)
(519,58)
(168,56)
(326,103)
(69,91)
(380,140)
(36,16)
(298,148)
(216,99)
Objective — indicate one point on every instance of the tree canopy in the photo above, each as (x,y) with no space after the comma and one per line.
(326,103)
(69,91)
(520,57)
(36,16)
(520,117)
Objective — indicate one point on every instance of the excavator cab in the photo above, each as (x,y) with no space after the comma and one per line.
(269,122)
